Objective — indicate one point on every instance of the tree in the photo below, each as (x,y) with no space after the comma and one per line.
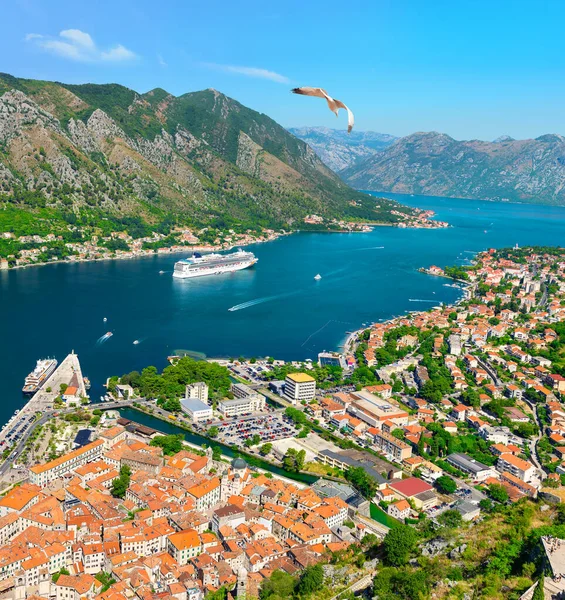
(294,460)
(213,431)
(451,519)
(538,592)
(498,492)
(216,453)
(399,542)
(312,579)
(171,444)
(121,483)
(279,585)
(265,449)
(446,485)
(362,482)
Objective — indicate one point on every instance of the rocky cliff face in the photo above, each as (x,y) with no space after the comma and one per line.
(201,156)
(436,164)
(340,150)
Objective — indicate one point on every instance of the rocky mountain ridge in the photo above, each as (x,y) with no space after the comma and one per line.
(199,157)
(435,164)
(340,150)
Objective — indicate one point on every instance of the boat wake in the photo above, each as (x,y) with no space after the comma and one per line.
(250,303)
(421,300)
(104,338)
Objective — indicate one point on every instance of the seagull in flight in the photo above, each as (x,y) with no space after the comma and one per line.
(333,104)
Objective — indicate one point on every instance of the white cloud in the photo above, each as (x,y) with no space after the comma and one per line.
(250,72)
(161,61)
(78,38)
(118,53)
(79,46)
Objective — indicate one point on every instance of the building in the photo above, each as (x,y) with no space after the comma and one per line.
(184,545)
(240,390)
(522,469)
(343,461)
(388,444)
(229,515)
(417,490)
(196,410)
(331,359)
(299,387)
(474,468)
(399,510)
(197,391)
(206,494)
(242,406)
(43,474)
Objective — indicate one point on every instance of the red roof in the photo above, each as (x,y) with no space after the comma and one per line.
(411,486)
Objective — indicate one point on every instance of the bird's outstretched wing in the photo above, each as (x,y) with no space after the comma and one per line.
(350,118)
(311,91)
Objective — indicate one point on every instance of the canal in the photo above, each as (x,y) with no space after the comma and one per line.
(199,440)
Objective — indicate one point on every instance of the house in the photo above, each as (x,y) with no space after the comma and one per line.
(459,412)
(399,510)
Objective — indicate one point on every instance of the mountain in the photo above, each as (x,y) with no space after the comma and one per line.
(437,165)
(340,150)
(112,154)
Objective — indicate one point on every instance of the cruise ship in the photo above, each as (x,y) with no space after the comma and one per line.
(213,264)
(39,375)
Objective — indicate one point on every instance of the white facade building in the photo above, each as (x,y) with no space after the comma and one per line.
(299,387)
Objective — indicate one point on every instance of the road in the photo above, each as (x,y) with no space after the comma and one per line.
(491,371)
(533,443)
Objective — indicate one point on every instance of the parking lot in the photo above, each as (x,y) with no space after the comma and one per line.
(269,427)
(13,432)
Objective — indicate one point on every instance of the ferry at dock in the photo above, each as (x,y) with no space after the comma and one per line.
(199,265)
(43,369)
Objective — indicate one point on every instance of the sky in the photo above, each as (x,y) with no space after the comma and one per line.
(473,69)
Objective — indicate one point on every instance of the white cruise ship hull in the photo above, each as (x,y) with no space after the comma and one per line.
(203,270)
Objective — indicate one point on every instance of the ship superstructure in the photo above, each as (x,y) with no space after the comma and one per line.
(39,375)
(213,264)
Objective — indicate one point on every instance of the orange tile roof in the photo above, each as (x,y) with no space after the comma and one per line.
(65,458)
(187,538)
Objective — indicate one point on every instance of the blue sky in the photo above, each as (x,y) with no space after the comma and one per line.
(469,68)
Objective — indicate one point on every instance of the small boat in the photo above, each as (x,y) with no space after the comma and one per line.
(318,277)
(86,383)
(135,342)
(108,334)
(104,319)
(101,398)
(161,272)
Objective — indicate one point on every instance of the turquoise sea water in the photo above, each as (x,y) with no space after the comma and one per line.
(282,311)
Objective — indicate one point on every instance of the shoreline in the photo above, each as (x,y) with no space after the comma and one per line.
(196,248)
(349,341)
(148,254)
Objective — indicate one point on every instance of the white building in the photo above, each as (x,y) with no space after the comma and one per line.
(43,474)
(196,410)
(197,391)
(242,406)
(299,387)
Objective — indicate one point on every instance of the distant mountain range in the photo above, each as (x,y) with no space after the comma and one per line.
(198,158)
(437,165)
(337,149)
